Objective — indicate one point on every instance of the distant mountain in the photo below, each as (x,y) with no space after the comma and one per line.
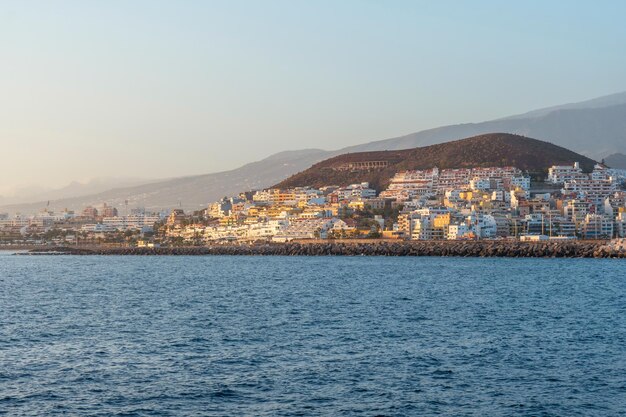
(191,193)
(617,160)
(496,149)
(74,189)
(595,132)
(596,103)
(595,128)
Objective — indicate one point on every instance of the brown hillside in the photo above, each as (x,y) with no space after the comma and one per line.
(495,149)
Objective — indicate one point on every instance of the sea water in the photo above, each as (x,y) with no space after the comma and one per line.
(309,336)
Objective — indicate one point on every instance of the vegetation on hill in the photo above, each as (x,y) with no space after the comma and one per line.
(495,149)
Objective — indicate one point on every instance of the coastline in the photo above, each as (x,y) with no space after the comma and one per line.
(513,249)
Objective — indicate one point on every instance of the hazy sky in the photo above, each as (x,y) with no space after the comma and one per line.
(159,89)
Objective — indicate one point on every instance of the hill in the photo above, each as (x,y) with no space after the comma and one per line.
(496,149)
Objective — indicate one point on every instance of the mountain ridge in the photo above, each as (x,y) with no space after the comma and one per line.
(570,128)
(191,192)
(25,195)
(599,102)
(616,160)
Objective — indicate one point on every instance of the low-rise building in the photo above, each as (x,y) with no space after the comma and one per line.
(596,226)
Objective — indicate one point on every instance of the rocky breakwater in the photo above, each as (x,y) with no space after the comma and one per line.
(514,249)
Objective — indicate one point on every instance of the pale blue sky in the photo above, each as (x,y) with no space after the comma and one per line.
(160,89)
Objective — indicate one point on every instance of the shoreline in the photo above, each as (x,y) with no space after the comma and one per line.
(512,249)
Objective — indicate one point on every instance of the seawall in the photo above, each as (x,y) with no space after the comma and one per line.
(515,249)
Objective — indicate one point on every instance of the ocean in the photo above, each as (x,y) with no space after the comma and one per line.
(311,336)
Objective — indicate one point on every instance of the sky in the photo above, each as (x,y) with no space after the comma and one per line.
(156,89)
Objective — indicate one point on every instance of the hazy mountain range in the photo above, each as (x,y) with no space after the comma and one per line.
(617,160)
(23,195)
(595,128)
(192,192)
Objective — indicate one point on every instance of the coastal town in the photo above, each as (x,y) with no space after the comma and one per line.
(481,203)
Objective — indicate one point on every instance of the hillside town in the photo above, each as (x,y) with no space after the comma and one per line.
(447,204)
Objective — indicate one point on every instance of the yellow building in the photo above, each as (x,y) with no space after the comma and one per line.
(466,195)
(357,205)
(282,196)
(442,220)
(257,211)
(440,226)
(228,221)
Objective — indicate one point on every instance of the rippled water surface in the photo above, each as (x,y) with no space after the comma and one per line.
(272,336)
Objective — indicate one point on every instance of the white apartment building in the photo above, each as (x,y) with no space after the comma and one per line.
(450,179)
(96,228)
(595,190)
(520,182)
(496,172)
(306,229)
(15,221)
(224,233)
(480,184)
(559,174)
(483,225)
(457,231)
(501,195)
(267,229)
(262,196)
(356,191)
(422,223)
(421,228)
(410,184)
(132,222)
(308,194)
